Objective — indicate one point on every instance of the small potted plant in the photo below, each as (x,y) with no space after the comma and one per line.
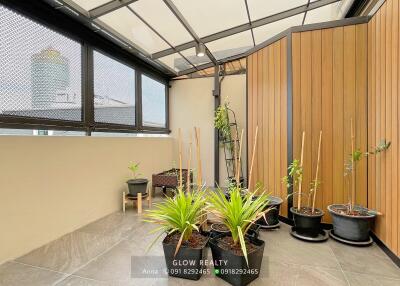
(236,249)
(136,185)
(271,218)
(351,222)
(307,219)
(180,218)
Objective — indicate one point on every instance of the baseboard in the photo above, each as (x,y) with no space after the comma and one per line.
(385,249)
(392,256)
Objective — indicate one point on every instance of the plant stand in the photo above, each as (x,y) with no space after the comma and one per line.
(350,242)
(322,236)
(126,198)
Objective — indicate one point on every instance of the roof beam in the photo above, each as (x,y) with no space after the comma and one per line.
(108,8)
(187,26)
(247,26)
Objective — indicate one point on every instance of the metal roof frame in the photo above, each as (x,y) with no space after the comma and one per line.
(91,19)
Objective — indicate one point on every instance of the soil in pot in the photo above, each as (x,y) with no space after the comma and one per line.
(272,216)
(136,186)
(352,226)
(234,268)
(187,263)
(306,222)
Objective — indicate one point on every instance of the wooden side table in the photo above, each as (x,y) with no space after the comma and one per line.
(126,198)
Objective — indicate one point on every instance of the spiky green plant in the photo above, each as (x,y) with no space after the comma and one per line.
(134,167)
(238,213)
(180,214)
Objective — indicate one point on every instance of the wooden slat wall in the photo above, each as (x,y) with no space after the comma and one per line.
(338,74)
(267,106)
(330,89)
(383,121)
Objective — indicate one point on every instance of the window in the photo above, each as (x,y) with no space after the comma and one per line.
(44,83)
(40,73)
(153,103)
(114,91)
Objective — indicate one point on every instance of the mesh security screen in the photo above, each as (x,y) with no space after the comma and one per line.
(153,101)
(114,91)
(40,70)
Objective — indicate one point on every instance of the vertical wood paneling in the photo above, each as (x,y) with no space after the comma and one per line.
(296,72)
(283,119)
(316,105)
(330,83)
(338,150)
(327,123)
(267,95)
(338,74)
(383,121)
(250,124)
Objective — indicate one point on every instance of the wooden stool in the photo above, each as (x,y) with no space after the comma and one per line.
(126,198)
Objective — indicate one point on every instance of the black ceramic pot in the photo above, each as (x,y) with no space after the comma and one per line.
(136,186)
(307,224)
(187,262)
(350,227)
(233,268)
(272,216)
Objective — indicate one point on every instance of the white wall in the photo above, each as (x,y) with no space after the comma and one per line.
(50,186)
(192,104)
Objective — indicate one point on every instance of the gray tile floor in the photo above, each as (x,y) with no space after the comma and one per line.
(99,254)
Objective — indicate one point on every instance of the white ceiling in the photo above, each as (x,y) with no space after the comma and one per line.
(153,27)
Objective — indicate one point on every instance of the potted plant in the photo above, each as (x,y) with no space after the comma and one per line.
(351,222)
(242,254)
(136,185)
(307,219)
(179,218)
(271,218)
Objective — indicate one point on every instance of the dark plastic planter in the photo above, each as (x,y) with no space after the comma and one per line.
(306,224)
(137,186)
(232,272)
(178,266)
(348,227)
(272,216)
(253,232)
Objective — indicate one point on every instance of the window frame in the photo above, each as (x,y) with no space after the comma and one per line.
(89,41)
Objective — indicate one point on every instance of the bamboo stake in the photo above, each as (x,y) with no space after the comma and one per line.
(316,172)
(199,171)
(180,159)
(252,157)
(301,166)
(240,156)
(353,181)
(189,161)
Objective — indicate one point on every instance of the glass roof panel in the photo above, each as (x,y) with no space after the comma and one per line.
(160,17)
(210,16)
(262,8)
(231,46)
(323,14)
(175,62)
(266,32)
(90,4)
(190,54)
(131,27)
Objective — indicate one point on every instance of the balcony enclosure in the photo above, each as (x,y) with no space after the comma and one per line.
(292,105)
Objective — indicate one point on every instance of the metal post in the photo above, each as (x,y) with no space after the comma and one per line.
(217,103)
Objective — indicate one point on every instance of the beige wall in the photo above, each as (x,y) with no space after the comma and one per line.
(50,186)
(192,104)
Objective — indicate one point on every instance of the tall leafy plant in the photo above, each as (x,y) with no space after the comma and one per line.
(238,213)
(181,214)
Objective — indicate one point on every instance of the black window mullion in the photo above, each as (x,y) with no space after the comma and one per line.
(87,87)
(138,104)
